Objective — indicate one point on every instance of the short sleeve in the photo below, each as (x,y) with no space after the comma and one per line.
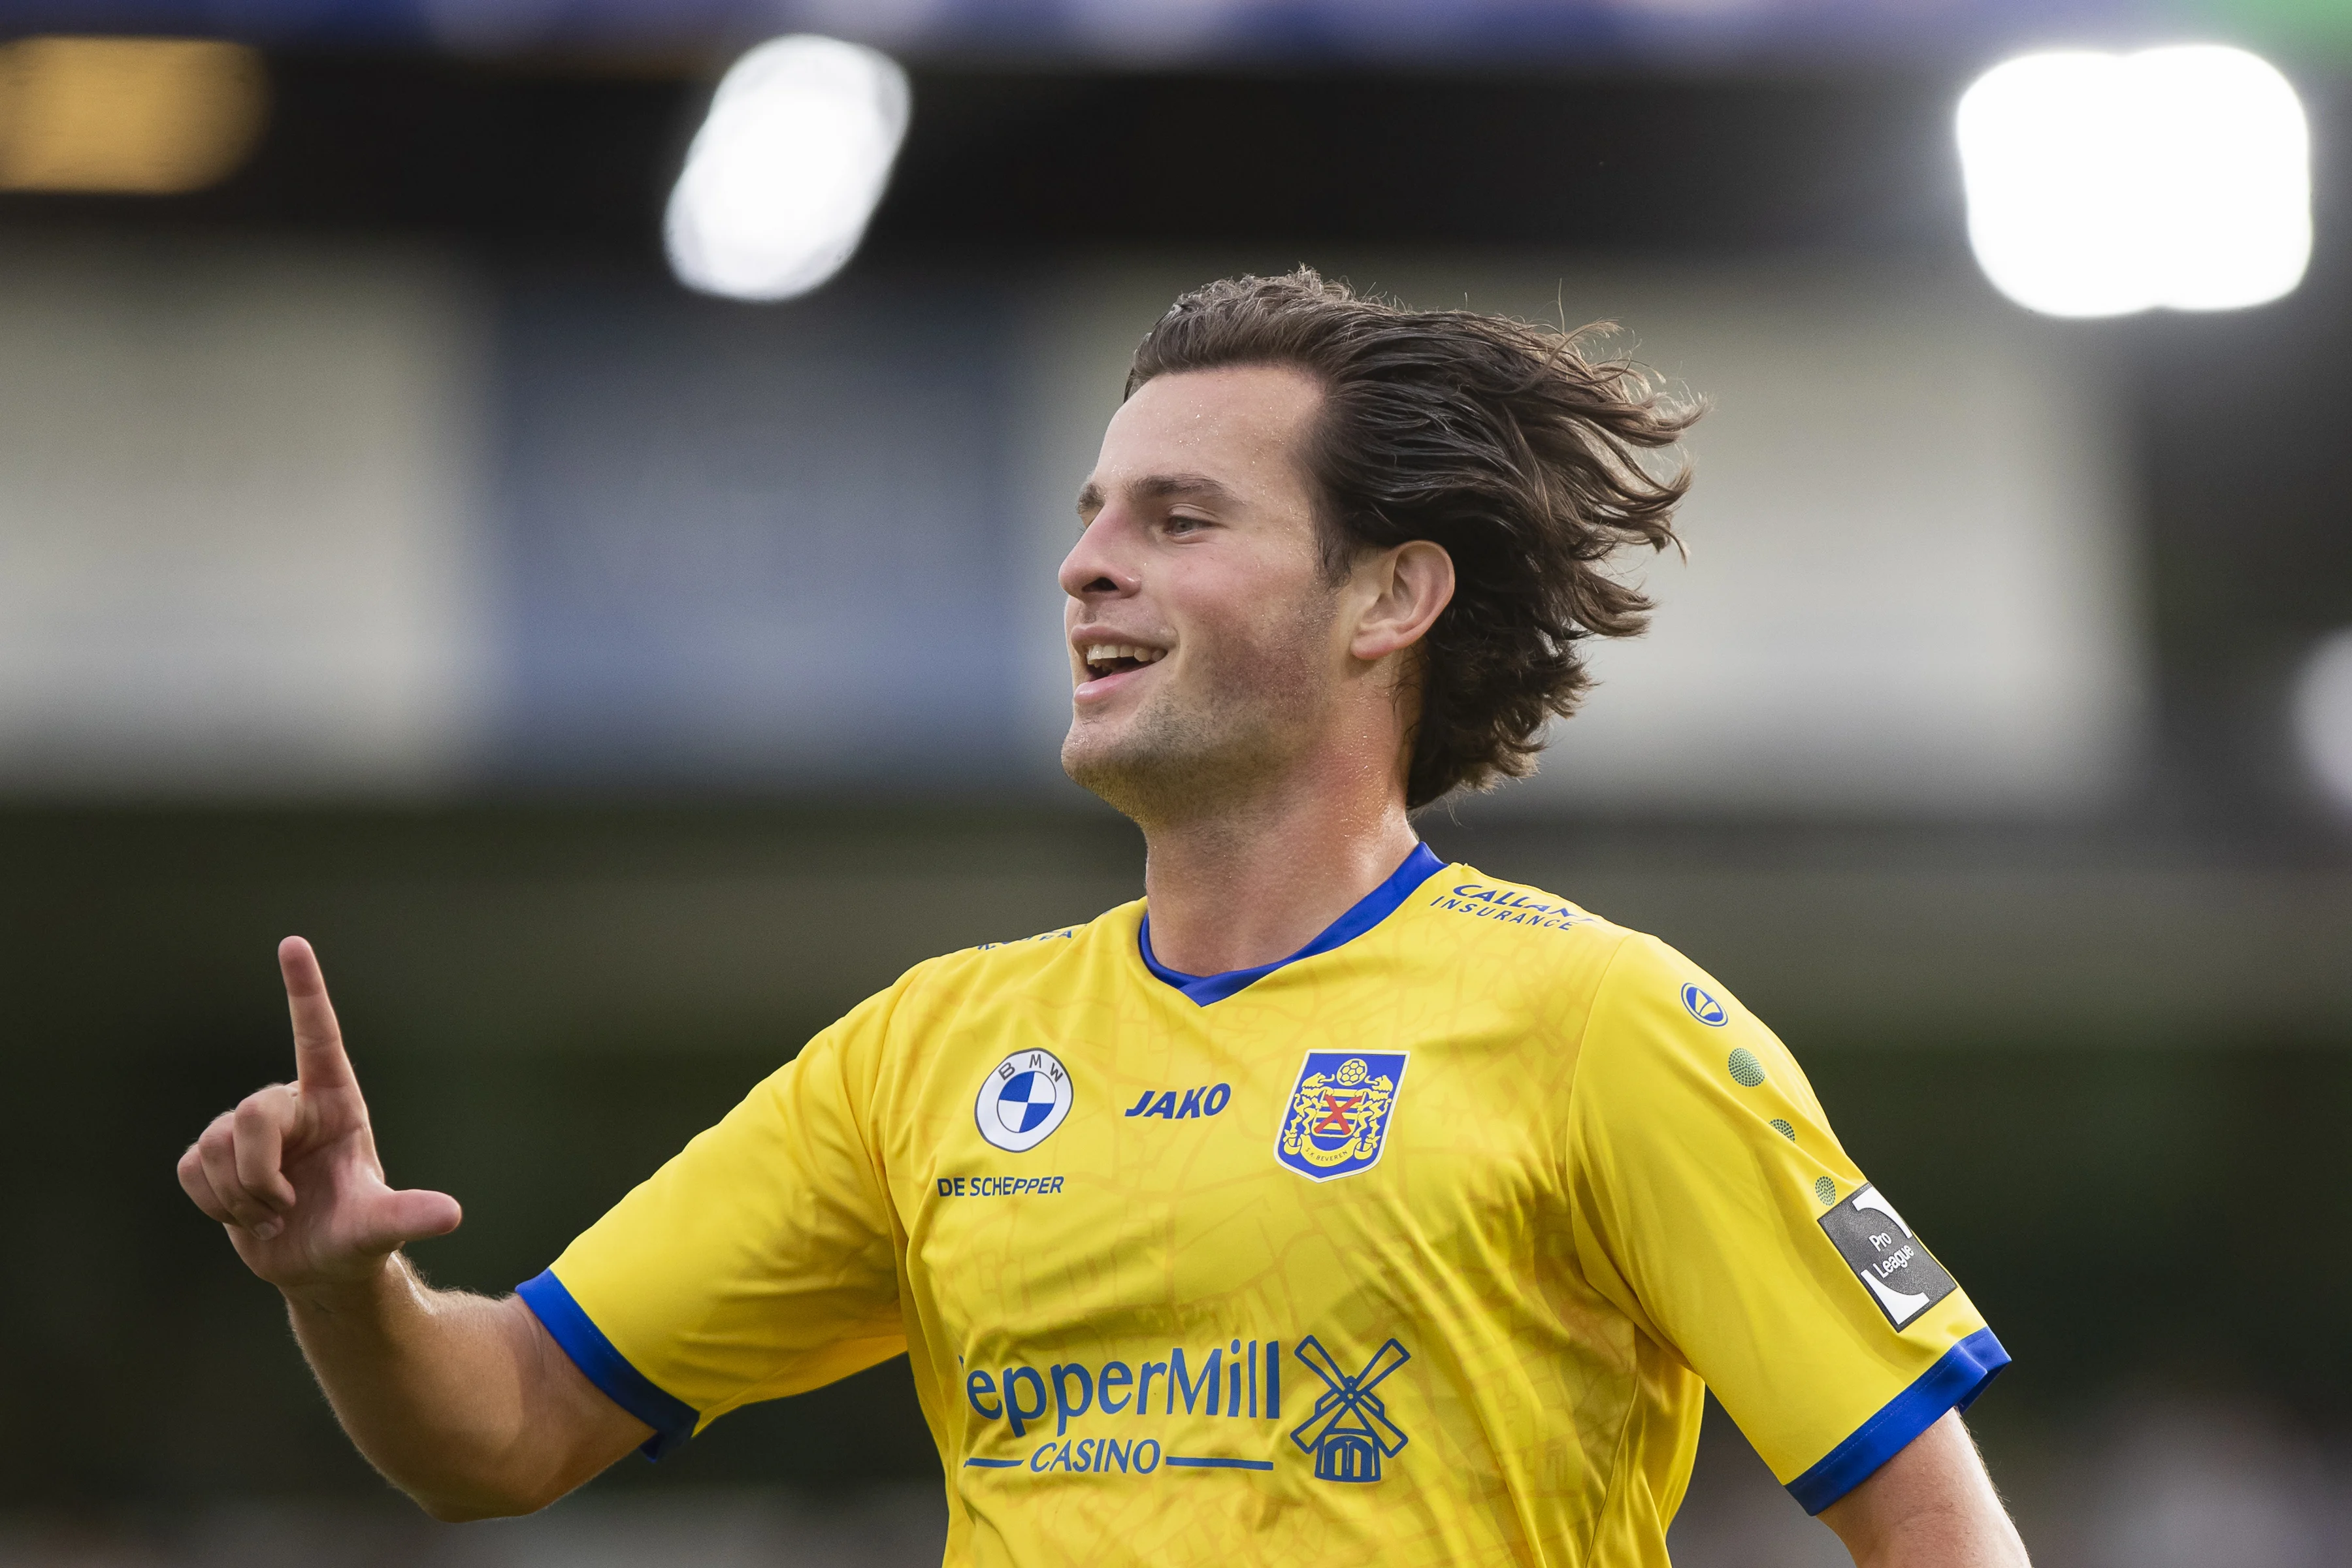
(761,1261)
(1714,1204)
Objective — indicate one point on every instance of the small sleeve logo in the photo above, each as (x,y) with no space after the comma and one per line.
(1700,1003)
(1903,1278)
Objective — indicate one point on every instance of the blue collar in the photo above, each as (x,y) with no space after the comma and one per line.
(1368,911)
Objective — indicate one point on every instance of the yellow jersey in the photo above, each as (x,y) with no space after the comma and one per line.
(1417,1247)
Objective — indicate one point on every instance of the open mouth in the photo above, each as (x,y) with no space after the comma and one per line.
(1104,658)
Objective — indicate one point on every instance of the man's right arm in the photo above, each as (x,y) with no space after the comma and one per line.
(465,1403)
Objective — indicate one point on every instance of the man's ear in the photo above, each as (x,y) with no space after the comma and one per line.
(1402,592)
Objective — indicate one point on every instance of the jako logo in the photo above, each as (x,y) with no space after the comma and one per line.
(1197,1102)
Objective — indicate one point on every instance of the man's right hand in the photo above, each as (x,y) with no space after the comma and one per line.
(292,1171)
(465,1403)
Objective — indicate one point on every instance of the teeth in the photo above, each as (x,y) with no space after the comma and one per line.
(1108,652)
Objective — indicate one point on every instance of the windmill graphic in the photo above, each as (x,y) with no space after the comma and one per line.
(1349,1431)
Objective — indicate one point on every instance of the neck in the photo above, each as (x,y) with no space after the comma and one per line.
(1253,884)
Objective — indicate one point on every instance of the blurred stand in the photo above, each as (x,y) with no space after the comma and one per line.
(713,1528)
(618,683)
(292,520)
(2174,1484)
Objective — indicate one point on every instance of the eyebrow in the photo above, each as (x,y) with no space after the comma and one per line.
(1160,487)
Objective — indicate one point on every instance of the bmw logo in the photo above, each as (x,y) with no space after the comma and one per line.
(1703,1007)
(1023,1101)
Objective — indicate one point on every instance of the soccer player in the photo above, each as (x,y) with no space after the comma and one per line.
(1330,1204)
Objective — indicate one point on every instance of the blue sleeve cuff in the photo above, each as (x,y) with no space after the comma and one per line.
(1950,1385)
(672,1419)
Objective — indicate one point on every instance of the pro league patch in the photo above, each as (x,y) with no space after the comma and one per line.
(1897,1269)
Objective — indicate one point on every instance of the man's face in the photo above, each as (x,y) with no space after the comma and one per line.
(1203,630)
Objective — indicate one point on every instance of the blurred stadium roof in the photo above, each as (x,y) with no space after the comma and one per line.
(1527,31)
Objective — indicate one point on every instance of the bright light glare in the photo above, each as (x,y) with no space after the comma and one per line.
(2323,714)
(2099,184)
(787,168)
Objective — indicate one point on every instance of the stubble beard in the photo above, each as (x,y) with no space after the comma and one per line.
(1176,760)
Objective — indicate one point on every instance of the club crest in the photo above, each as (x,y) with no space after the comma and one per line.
(1338,1120)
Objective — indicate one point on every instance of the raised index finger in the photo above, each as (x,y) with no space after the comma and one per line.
(319,1058)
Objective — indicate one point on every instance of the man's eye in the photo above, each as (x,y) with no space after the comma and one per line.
(1186,524)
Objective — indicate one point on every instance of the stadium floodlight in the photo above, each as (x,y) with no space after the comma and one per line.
(2100,184)
(786,169)
(2323,714)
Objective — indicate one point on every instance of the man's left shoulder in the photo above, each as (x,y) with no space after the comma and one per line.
(1513,911)
(1524,941)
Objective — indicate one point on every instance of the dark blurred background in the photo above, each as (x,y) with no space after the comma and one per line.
(617,683)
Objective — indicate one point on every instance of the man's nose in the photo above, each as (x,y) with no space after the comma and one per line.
(1095,569)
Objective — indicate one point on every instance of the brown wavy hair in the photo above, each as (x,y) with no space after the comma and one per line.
(1496,439)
